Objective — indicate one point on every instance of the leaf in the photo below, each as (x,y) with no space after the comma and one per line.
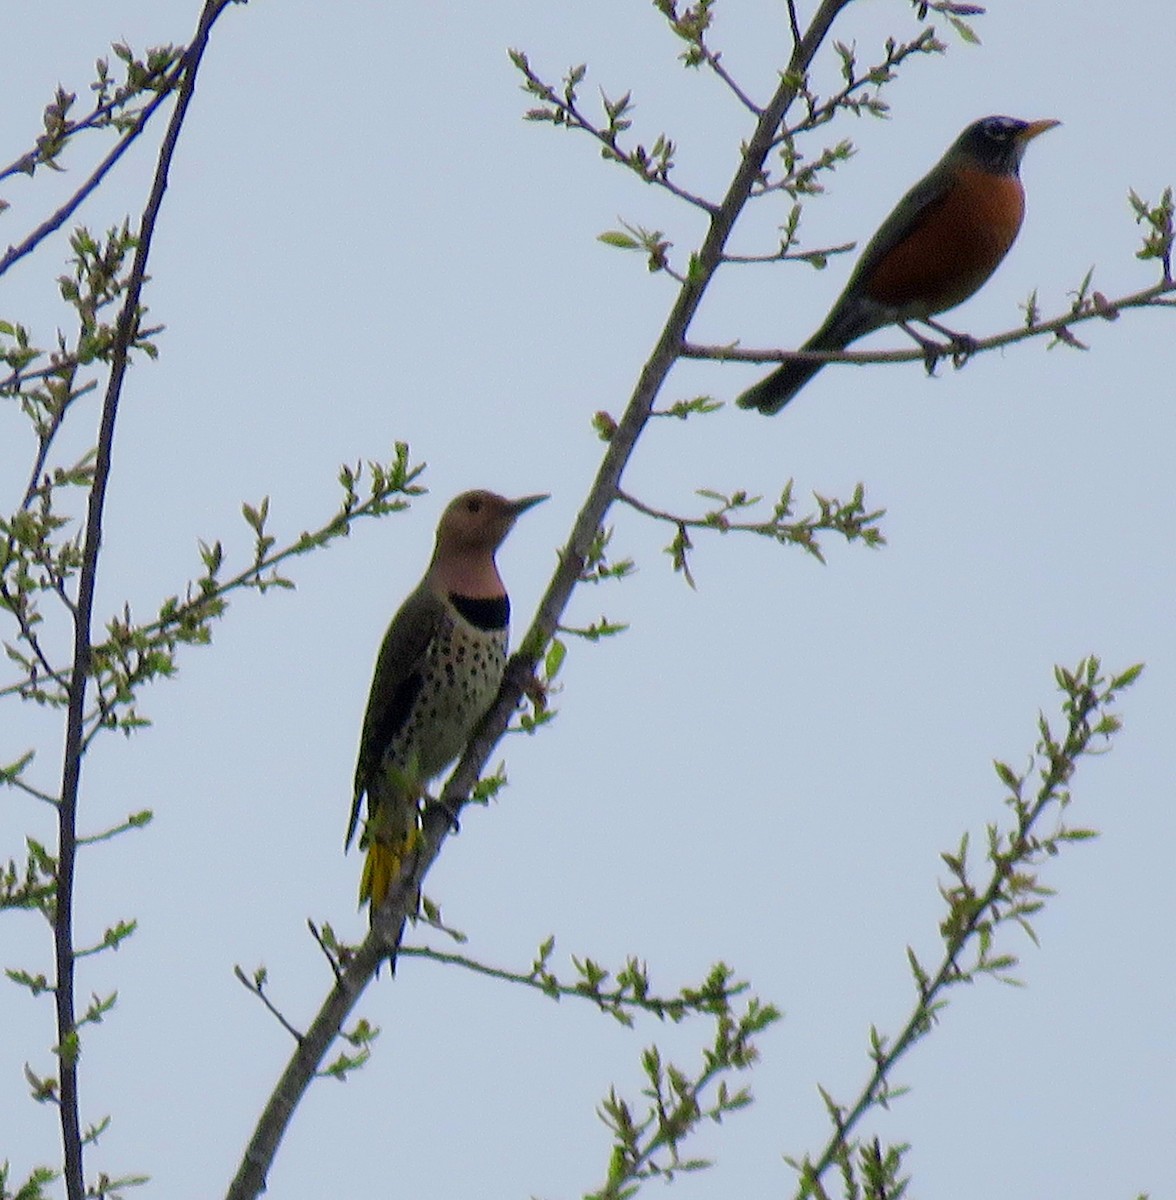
(556,653)
(1127,678)
(966,32)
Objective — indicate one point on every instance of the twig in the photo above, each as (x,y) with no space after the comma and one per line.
(258,990)
(52,223)
(786,255)
(566,112)
(669,518)
(713,61)
(986,909)
(350,983)
(27,632)
(29,790)
(54,368)
(794,24)
(1150,297)
(327,953)
(207,599)
(820,114)
(617,998)
(27,162)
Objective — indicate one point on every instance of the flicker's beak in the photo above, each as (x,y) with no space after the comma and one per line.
(518,507)
(1033,128)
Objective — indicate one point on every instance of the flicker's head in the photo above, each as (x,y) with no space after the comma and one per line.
(478,522)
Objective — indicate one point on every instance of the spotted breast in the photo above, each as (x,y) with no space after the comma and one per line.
(459,678)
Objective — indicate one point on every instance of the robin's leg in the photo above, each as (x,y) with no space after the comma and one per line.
(961,346)
(932,351)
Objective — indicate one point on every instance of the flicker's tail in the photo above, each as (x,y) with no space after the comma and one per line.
(381,869)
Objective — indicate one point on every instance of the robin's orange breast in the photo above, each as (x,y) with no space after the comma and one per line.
(960,240)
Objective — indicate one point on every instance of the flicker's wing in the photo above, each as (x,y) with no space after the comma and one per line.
(396,683)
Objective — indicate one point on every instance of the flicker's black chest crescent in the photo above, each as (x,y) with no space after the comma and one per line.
(460,676)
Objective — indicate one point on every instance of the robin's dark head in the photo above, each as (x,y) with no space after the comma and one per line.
(997,144)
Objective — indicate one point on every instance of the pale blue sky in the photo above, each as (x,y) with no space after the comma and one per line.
(364,242)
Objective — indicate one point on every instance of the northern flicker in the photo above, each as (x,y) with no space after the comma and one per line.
(438,671)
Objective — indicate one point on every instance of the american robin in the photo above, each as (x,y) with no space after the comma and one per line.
(438,671)
(942,241)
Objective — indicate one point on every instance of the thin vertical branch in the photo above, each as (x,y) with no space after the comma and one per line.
(126,330)
(794,23)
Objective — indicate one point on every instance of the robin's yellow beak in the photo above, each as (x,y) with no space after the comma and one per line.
(1033,128)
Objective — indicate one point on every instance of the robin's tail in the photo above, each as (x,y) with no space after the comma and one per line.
(773,392)
(846,323)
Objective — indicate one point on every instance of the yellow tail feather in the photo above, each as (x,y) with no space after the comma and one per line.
(382,866)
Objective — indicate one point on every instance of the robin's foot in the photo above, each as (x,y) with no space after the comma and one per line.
(932,351)
(962,345)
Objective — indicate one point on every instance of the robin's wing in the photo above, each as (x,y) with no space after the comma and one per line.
(396,684)
(916,207)
(854,315)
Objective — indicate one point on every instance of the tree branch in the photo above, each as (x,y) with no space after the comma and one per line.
(100,116)
(668,349)
(53,223)
(626,994)
(350,983)
(438,818)
(1095,308)
(1011,893)
(784,254)
(794,24)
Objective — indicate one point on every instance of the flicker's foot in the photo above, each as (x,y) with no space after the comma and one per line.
(445,810)
(536,691)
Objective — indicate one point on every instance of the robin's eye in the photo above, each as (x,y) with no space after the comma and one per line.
(998,130)
(473,506)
